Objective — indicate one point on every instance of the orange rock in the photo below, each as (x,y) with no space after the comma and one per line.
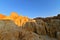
(14,15)
(19,20)
(2,16)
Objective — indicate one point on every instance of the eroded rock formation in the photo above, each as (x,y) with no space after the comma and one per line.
(52,27)
(15,27)
(10,31)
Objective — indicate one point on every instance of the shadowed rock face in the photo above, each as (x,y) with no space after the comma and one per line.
(52,25)
(10,31)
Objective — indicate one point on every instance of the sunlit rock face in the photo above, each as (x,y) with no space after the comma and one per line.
(2,16)
(19,20)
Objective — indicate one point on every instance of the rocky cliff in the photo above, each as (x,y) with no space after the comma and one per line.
(52,25)
(15,27)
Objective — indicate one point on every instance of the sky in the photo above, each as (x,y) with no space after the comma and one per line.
(30,8)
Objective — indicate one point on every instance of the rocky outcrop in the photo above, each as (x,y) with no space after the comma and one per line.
(52,25)
(10,31)
(15,27)
(2,16)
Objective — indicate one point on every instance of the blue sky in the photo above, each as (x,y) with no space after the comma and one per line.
(30,8)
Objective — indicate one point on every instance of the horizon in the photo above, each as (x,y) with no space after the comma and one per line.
(30,8)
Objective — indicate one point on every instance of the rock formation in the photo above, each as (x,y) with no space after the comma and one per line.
(16,27)
(10,31)
(2,16)
(52,27)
